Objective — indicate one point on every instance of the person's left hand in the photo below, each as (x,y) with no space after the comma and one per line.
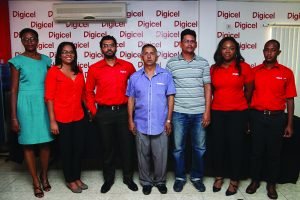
(205,119)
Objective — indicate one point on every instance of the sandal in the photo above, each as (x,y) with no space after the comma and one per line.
(216,189)
(45,184)
(38,192)
(235,188)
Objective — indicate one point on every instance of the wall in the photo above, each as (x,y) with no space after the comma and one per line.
(146,23)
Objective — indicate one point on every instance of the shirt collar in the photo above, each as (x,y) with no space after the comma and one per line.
(158,70)
(277,65)
(180,57)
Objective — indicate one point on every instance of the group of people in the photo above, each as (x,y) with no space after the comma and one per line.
(144,107)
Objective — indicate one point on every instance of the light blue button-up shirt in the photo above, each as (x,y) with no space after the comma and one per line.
(151,103)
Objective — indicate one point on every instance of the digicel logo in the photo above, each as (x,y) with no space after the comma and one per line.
(167,14)
(23,14)
(228,14)
(294,16)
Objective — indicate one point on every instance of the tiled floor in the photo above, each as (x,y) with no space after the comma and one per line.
(15,184)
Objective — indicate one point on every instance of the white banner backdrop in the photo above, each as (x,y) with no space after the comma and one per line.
(248,23)
(158,23)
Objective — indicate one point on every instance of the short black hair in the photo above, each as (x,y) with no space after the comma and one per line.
(28,30)
(274,41)
(108,37)
(148,45)
(187,32)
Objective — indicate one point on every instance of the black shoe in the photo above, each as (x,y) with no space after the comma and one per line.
(106,186)
(147,189)
(178,185)
(251,189)
(216,189)
(235,188)
(199,185)
(131,185)
(271,189)
(162,188)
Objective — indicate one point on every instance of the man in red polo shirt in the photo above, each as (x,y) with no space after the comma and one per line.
(109,107)
(274,90)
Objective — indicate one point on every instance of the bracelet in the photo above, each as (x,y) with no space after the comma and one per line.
(15,119)
(168,121)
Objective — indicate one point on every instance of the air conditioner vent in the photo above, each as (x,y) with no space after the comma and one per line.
(89,11)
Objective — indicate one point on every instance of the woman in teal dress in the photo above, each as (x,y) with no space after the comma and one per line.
(29,117)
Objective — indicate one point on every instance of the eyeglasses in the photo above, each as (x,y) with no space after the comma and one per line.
(68,52)
(32,39)
(189,41)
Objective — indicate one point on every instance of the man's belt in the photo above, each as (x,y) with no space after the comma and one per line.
(112,107)
(271,112)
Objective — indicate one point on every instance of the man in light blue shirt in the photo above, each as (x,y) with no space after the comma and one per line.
(151,100)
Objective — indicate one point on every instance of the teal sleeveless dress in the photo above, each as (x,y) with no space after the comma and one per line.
(31,108)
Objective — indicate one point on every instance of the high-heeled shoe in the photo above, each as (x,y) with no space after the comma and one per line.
(38,192)
(45,183)
(216,189)
(235,188)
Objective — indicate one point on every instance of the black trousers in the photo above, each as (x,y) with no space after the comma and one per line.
(113,126)
(267,133)
(71,140)
(228,131)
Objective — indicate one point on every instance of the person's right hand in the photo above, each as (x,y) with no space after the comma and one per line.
(54,127)
(15,126)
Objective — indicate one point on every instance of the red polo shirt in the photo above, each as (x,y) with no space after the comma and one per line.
(272,87)
(110,83)
(228,87)
(66,94)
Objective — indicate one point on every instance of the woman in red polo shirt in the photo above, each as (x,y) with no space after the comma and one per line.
(232,82)
(64,90)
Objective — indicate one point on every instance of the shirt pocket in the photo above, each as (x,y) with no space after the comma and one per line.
(160,88)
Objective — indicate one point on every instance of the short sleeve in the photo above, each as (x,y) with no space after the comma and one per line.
(171,87)
(248,73)
(290,85)
(50,84)
(130,88)
(47,60)
(15,62)
(206,73)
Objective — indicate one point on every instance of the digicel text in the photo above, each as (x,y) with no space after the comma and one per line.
(245,25)
(131,34)
(76,25)
(41,25)
(294,16)
(227,15)
(167,34)
(186,24)
(132,13)
(156,44)
(149,24)
(24,14)
(228,34)
(167,14)
(263,15)
(59,35)
(111,25)
(93,35)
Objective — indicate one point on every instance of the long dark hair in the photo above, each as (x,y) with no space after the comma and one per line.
(238,57)
(58,61)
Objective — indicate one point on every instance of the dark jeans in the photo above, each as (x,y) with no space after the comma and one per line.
(113,126)
(267,133)
(71,140)
(228,130)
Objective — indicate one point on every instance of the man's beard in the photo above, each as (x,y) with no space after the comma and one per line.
(109,56)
